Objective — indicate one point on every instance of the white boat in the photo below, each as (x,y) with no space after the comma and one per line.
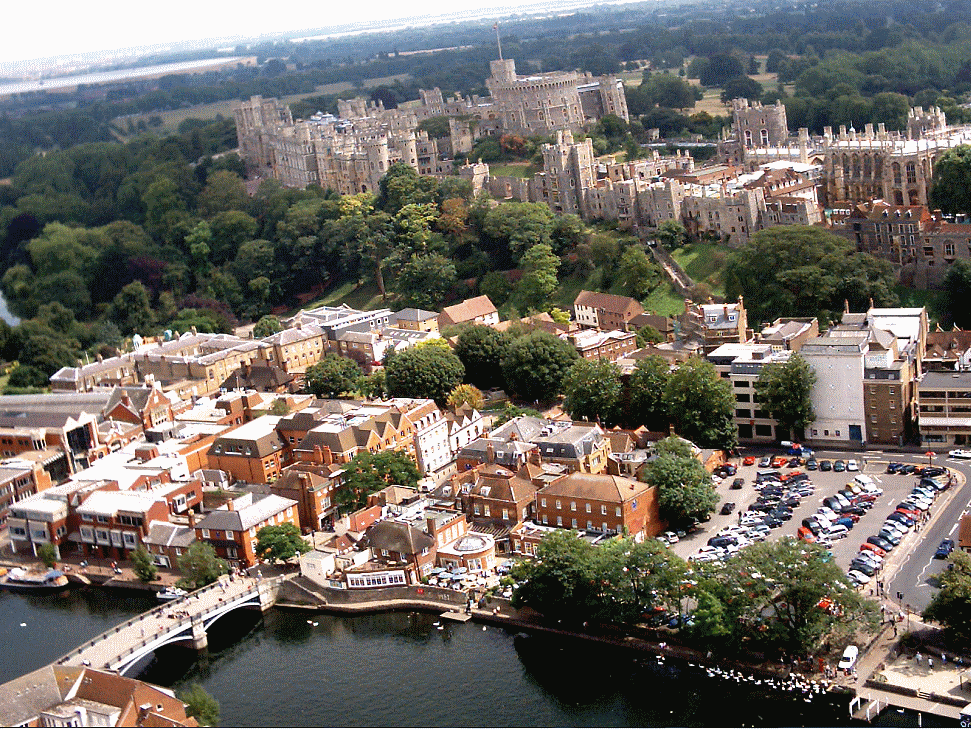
(171,593)
(30,581)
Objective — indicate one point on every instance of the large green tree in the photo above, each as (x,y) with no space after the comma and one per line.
(593,389)
(367,473)
(481,350)
(775,593)
(644,400)
(684,487)
(701,404)
(951,605)
(668,90)
(805,271)
(280,542)
(538,284)
(200,704)
(200,566)
(536,364)
(952,301)
(429,370)
(784,389)
(425,280)
(951,189)
(332,376)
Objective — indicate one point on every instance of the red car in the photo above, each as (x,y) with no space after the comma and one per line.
(748,461)
(873,548)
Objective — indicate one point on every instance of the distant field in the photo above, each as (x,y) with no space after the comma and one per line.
(172,119)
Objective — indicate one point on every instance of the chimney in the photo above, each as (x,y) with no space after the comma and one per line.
(534,457)
(328,456)
(126,400)
(230,505)
(318,455)
(192,519)
(490,453)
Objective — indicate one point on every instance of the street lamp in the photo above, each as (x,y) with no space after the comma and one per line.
(930,456)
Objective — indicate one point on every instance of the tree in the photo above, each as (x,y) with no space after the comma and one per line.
(466,395)
(47,553)
(280,542)
(132,311)
(223,192)
(773,594)
(142,565)
(701,404)
(785,391)
(951,189)
(367,473)
(539,282)
(720,68)
(592,389)
(200,566)
(741,87)
(495,285)
(536,364)
(482,350)
(645,394)
(648,335)
(425,280)
(200,705)
(640,274)
(423,371)
(951,606)
(805,271)
(266,326)
(952,301)
(28,376)
(668,90)
(332,376)
(671,234)
(519,225)
(684,487)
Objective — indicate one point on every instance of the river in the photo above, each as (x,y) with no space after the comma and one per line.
(403,670)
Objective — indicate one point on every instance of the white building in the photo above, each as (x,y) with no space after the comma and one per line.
(838,394)
(742,364)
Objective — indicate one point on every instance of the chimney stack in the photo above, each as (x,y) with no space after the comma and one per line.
(490,453)
(192,519)
(230,505)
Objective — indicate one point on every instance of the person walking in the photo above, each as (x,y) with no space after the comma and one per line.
(917,658)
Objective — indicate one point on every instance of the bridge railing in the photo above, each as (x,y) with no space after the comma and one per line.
(157,611)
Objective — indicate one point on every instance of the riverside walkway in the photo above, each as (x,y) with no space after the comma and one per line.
(184,620)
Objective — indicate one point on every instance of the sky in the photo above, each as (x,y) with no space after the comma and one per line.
(65,27)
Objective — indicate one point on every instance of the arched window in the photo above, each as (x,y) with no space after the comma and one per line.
(911,173)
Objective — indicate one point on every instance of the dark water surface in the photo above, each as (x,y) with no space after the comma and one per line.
(403,670)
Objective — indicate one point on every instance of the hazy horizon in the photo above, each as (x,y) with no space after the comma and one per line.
(108,26)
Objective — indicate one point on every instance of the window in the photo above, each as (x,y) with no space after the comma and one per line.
(542,502)
(617,511)
(603,510)
(573,523)
(205,534)
(558,504)
(588,507)
(573,506)
(559,521)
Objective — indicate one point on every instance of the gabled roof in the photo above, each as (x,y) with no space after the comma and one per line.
(238,520)
(257,377)
(468,310)
(167,534)
(596,487)
(623,305)
(137,394)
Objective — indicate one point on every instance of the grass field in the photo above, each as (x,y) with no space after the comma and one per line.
(172,119)
(513,169)
(704,263)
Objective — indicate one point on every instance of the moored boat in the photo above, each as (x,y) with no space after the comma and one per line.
(34,581)
(171,593)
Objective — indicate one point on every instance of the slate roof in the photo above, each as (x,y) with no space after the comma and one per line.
(241,519)
(261,378)
(167,534)
(138,394)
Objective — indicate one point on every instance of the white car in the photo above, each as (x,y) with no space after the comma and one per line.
(671,537)
(959,453)
(858,577)
(852,465)
(849,658)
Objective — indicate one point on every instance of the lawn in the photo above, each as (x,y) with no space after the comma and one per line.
(704,263)
(364,297)
(513,169)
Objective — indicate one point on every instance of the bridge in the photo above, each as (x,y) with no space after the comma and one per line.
(184,621)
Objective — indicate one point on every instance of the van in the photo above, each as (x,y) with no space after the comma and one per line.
(767,475)
(836,531)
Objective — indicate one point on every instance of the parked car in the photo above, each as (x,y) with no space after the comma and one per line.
(857,577)
(944,549)
(779,461)
(812,464)
(849,658)
(727,508)
(876,549)
(879,541)
(671,537)
(864,567)
(894,467)
(930,471)
(737,483)
(748,461)
(825,465)
(839,465)
(852,465)
(907,469)
(890,536)
(765,462)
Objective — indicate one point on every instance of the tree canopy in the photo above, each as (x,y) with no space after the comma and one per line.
(482,350)
(593,390)
(367,473)
(200,566)
(430,371)
(951,188)
(805,271)
(536,364)
(701,404)
(685,490)
(332,376)
(280,542)
(784,389)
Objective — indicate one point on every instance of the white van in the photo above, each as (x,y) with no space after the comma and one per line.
(836,531)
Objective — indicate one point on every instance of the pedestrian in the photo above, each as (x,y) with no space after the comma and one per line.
(894,630)
(930,662)
(944,658)
(917,658)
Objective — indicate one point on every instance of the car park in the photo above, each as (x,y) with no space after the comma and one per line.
(944,549)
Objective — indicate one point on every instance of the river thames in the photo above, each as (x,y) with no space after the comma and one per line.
(289,668)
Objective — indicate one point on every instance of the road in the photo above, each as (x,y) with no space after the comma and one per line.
(910,565)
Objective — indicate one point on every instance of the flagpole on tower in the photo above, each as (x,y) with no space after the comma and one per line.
(495,27)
